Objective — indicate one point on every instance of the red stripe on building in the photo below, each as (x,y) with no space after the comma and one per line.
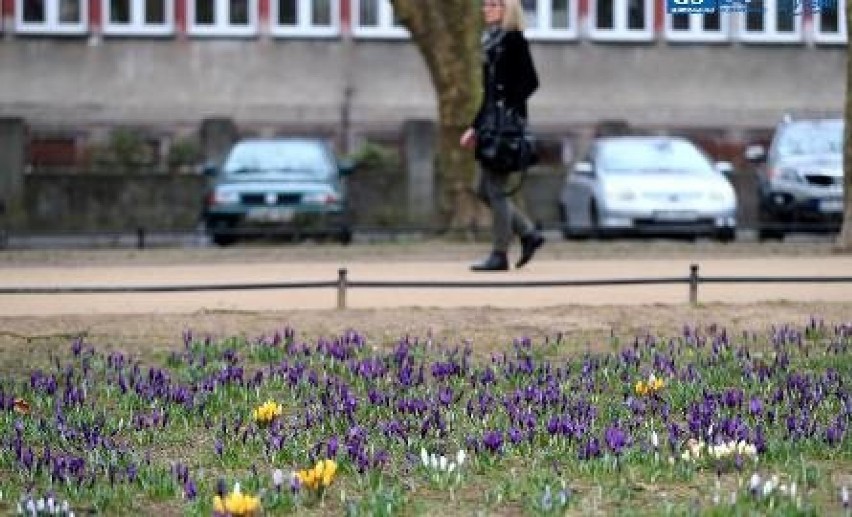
(263,12)
(346,16)
(7,8)
(95,17)
(180,17)
(659,16)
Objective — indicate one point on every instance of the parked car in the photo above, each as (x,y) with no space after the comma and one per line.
(801,178)
(274,187)
(648,185)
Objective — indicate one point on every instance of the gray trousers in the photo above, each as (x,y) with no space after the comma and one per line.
(506,218)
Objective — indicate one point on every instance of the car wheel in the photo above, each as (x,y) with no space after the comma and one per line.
(223,240)
(567,232)
(726,235)
(344,236)
(769,229)
(595,223)
(220,233)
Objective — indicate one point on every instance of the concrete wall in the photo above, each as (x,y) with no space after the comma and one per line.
(299,84)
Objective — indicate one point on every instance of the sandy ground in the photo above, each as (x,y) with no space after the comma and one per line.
(480,315)
(392,270)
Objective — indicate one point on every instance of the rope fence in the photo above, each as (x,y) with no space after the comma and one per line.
(343,284)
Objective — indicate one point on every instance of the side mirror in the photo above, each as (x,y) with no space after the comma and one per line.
(210,170)
(755,153)
(345,167)
(584,169)
(724,168)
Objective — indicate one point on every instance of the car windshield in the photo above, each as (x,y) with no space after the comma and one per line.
(808,139)
(643,156)
(295,157)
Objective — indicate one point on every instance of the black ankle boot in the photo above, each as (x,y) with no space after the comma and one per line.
(497,261)
(529,244)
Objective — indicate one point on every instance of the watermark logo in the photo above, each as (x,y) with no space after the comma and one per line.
(691,6)
(785,7)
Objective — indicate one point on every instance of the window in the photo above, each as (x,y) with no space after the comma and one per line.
(622,20)
(830,22)
(138,17)
(305,17)
(698,27)
(375,18)
(772,21)
(51,16)
(551,19)
(222,17)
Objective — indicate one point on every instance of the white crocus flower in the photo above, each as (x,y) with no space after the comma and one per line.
(442,463)
(424,457)
(40,505)
(767,488)
(278,478)
(237,487)
(433,461)
(460,457)
(754,482)
(655,440)
(451,467)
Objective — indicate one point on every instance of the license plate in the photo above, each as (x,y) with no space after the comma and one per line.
(831,205)
(675,215)
(271,215)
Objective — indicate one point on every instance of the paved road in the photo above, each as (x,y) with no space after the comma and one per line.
(447,270)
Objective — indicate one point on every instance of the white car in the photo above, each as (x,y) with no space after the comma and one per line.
(648,185)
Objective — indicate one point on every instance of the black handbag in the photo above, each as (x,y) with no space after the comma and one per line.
(503,141)
(504,144)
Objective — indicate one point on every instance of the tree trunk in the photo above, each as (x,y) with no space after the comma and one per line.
(844,239)
(447,34)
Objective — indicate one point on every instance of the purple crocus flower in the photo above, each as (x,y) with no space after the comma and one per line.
(616,439)
(833,435)
(591,450)
(755,406)
(493,440)
(189,490)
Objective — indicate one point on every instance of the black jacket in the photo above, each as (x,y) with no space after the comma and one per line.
(515,78)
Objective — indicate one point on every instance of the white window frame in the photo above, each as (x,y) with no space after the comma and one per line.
(620,32)
(137,25)
(544,16)
(770,34)
(385,28)
(696,31)
(304,27)
(222,27)
(841,36)
(51,24)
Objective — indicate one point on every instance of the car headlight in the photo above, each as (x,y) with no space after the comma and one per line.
(788,174)
(320,198)
(225,197)
(621,195)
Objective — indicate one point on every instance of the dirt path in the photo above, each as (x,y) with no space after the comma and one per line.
(387,268)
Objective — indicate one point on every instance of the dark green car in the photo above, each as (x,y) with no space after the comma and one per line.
(277,187)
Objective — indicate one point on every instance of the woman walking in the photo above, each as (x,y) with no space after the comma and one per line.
(509,77)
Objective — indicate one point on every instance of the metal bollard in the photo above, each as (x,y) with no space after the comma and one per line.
(693,284)
(341,288)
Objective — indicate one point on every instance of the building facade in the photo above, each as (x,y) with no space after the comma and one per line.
(347,69)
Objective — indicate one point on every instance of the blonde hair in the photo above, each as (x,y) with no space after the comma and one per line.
(514,18)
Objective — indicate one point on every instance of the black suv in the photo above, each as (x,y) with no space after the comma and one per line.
(800,178)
